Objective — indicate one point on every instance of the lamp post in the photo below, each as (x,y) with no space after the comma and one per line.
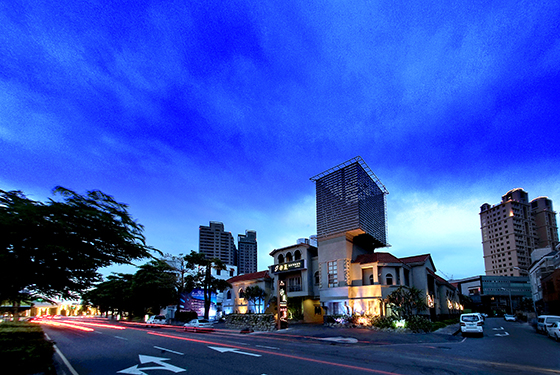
(510,304)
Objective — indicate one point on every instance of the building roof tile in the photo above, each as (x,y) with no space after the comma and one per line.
(250,276)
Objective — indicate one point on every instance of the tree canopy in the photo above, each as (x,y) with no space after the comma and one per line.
(55,249)
(202,276)
(152,287)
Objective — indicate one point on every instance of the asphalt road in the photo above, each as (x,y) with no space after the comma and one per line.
(506,348)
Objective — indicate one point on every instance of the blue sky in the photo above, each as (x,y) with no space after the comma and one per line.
(192,111)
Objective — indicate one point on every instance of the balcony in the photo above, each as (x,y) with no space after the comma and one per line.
(294,288)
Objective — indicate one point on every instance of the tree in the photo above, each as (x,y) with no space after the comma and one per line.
(113,295)
(202,277)
(54,249)
(256,295)
(405,300)
(154,286)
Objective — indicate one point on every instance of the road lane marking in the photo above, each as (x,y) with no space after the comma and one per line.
(267,347)
(120,338)
(168,350)
(313,360)
(57,351)
(225,350)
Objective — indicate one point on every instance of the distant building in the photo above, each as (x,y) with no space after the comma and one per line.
(247,252)
(495,293)
(544,275)
(214,242)
(513,229)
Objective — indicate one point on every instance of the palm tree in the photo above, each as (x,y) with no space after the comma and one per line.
(256,295)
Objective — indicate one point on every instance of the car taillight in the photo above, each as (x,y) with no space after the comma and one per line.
(480,323)
(462,323)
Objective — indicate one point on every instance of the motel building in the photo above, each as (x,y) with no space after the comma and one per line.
(354,274)
(358,286)
(345,269)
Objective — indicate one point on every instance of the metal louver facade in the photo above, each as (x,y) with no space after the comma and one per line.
(350,197)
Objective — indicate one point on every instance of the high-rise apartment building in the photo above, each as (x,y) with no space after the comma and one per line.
(214,242)
(514,228)
(247,252)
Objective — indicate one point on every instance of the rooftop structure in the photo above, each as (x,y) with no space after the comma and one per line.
(351,199)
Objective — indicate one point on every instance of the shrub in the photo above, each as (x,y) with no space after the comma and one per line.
(23,346)
(382,321)
(419,324)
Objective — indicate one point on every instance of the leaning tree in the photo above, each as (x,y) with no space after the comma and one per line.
(54,249)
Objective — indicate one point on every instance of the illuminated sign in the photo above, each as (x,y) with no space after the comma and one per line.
(286,267)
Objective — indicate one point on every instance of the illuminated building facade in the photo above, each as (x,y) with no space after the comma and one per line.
(513,229)
(296,266)
(351,276)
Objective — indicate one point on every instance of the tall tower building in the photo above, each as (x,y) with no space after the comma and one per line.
(247,252)
(351,221)
(545,222)
(514,228)
(214,242)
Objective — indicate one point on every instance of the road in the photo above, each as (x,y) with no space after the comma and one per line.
(506,348)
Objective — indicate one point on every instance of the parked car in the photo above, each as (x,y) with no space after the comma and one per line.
(509,318)
(471,323)
(543,321)
(554,331)
(156,319)
(199,325)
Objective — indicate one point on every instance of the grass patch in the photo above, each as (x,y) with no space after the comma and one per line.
(23,347)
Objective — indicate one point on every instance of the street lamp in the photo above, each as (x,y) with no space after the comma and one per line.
(510,304)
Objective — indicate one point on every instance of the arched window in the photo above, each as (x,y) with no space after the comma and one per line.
(297,255)
(280,259)
(228,294)
(241,293)
(289,257)
(389,279)
(317,277)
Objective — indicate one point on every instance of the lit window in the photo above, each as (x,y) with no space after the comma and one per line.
(332,274)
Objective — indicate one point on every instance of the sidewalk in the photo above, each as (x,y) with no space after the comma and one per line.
(367,336)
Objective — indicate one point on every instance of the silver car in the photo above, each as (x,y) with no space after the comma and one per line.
(199,325)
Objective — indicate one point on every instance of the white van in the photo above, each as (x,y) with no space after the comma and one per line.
(544,321)
(472,323)
(156,319)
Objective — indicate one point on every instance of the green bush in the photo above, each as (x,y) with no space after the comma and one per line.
(382,321)
(23,346)
(419,324)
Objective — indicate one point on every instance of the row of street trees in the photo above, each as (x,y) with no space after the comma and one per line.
(54,250)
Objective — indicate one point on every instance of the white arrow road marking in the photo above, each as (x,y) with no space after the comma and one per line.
(224,350)
(502,334)
(135,370)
